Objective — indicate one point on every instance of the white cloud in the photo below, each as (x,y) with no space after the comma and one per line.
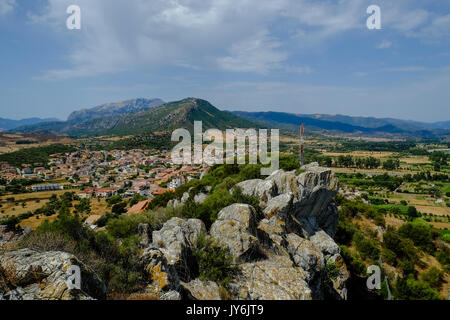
(411,98)
(6,6)
(259,54)
(406,69)
(438,28)
(232,35)
(385,44)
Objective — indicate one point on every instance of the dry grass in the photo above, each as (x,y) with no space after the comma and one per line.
(143,296)
(415,160)
(441,225)
(8,141)
(439,211)
(33,195)
(12,210)
(362,154)
(34,222)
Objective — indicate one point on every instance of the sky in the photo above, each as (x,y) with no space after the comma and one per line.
(298,56)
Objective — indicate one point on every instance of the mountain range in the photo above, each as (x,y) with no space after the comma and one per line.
(9,124)
(348,124)
(142,116)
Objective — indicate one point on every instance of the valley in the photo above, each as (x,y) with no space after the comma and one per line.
(103,190)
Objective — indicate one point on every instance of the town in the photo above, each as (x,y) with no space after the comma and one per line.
(132,174)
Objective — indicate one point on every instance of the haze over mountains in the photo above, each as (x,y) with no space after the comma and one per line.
(139,116)
(348,124)
(9,124)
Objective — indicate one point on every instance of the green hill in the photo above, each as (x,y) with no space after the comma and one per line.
(164,118)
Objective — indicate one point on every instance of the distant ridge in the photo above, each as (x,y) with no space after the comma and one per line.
(347,124)
(115,108)
(9,124)
(140,116)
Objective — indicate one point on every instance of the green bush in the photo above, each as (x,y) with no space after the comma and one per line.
(354,263)
(403,248)
(389,257)
(434,277)
(215,263)
(366,247)
(344,232)
(332,270)
(412,289)
(420,233)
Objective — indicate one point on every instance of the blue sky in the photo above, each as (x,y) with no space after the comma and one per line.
(300,56)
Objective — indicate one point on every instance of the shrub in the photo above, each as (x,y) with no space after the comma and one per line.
(411,289)
(403,248)
(420,233)
(354,263)
(366,247)
(389,257)
(119,208)
(434,277)
(214,262)
(332,270)
(344,232)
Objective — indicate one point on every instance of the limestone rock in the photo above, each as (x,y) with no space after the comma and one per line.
(271,279)
(281,205)
(235,228)
(200,198)
(161,277)
(263,189)
(325,243)
(144,234)
(175,240)
(34,275)
(202,290)
(305,254)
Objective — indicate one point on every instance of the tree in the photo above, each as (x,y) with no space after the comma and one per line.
(391,164)
(119,208)
(434,277)
(412,212)
(411,289)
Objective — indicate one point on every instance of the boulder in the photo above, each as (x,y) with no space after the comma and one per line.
(200,198)
(271,231)
(271,279)
(161,277)
(176,239)
(144,233)
(305,255)
(285,182)
(235,228)
(263,189)
(281,205)
(201,290)
(325,243)
(28,274)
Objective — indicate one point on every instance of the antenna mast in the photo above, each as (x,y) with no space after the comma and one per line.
(302,146)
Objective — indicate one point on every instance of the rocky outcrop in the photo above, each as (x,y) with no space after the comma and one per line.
(271,279)
(235,228)
(201,290)
(34,275)
(282,252)
(176,239)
